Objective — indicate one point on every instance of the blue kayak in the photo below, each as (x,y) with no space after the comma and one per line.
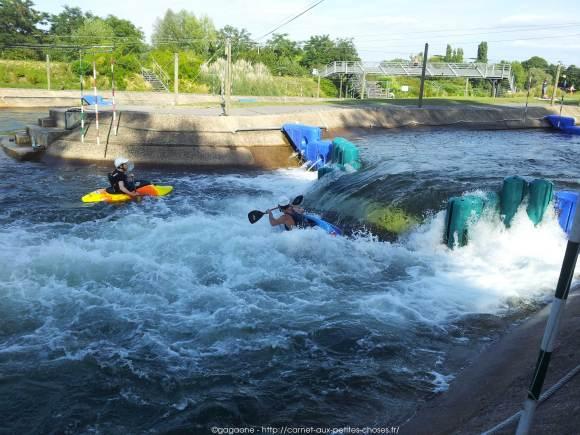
(326,226)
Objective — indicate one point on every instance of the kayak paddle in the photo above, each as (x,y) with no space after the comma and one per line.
(255,215)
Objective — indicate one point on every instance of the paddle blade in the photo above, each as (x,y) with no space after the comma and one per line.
(298,200)
(255,215)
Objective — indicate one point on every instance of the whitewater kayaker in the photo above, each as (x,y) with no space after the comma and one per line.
(123,182)
(292,215)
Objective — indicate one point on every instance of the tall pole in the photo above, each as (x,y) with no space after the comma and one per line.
(363,86)
(113,94)
(318,89)
(527,98)
(228,77)
(422,88)
(176,76)
(555,85)
(556,312)
(48,72)
(340,89)
(96,101)
(82,98)
(466,86)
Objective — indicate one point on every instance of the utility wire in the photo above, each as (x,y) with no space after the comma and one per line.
(288,21)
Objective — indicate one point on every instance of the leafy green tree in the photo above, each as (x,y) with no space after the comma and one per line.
(520,74)
(183,30)
(345,50)
(448,54)
(458,58)
(128,37)
(19,23)
(241,40)
(535,62)
(68,21)
(482,52)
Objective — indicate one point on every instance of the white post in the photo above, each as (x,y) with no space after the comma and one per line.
(96,102)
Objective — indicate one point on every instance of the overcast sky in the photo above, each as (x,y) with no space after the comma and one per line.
(382,29)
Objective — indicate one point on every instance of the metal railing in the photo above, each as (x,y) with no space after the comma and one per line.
(497,71)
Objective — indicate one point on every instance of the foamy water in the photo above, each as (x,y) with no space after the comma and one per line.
(176,313)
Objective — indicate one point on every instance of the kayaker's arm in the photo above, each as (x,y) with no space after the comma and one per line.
(123,189)
(282,220)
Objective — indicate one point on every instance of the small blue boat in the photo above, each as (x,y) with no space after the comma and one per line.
(326,226)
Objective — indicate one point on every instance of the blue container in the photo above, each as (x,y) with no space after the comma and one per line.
(319,152)
(301,135)
(561,122)
(566,202)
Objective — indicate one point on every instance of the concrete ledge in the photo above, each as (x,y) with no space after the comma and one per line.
(19,152)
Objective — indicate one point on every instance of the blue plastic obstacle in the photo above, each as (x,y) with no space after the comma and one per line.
(92,100)
(566,124)
(566,202)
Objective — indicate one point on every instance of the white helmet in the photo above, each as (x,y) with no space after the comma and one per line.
(120,160)
(283,201)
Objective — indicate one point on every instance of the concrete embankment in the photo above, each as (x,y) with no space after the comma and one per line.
(250,137)
(13,97)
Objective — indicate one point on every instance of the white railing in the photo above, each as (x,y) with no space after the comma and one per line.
(434,69)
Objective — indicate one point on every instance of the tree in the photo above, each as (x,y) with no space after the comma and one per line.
(345,50)
(482,52)
(535,62)
(241,40)
(282,55)
(68,21)
(520,74)
(459,56)
(183,30)
(448,54)
(128,37)
(19,22)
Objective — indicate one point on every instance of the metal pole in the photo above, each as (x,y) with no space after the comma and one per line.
(527,98)
(228,78)
(48,71)
(555,85)
(549,339)
(466,86)
(96,102)
(82,98)
(422,88)
(176,76)
(113,93)
(363,86)
(340,90)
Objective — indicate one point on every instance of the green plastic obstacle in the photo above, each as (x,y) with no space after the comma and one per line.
(344,155)
(540,196)
(513,191)
(464,211)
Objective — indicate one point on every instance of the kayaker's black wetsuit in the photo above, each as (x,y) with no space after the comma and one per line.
(116,176)
(298,218)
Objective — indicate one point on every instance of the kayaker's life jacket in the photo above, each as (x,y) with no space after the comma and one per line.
(115,177)
(298,220)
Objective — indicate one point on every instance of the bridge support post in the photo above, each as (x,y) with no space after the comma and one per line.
(467,86)
(363,86)
(340,89)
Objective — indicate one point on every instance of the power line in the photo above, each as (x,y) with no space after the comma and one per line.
(291,19)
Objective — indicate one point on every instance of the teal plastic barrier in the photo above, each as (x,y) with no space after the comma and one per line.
(513,191)
(462,211)
(540,196)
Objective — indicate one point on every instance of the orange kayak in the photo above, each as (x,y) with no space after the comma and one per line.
(101,195)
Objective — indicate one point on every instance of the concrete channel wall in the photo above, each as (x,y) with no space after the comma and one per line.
(252,137)
(12,97)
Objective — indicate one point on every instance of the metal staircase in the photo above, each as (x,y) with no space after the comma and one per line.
(156,77)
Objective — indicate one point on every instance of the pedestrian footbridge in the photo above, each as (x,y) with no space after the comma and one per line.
(359,71)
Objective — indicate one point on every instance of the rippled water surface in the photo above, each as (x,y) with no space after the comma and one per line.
(173,314)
